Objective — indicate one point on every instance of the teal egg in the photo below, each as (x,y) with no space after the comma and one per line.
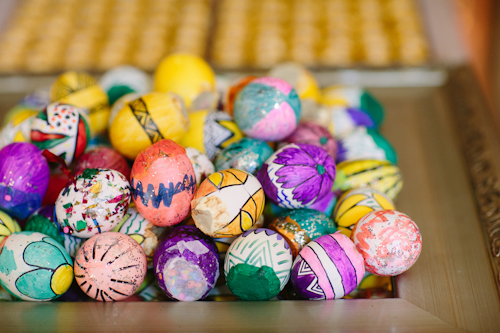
(365,144)
(246,154)
(313,222)
(34,267)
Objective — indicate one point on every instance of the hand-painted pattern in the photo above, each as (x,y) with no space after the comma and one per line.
(140,111)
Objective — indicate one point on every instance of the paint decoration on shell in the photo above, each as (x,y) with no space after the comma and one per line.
(163,183)
(24,178)
(123,80)
(8,226)
(297,175)
(329,267)
(202,165)
(18,129)
(120,103)
(82,90)
(366,144)
(104,158)
(93,202)
(147,120)
(268,109)
(246,154)
(110,267)
(257,265)
(313,134)
(227,203)
(356,203)
(186,263)
(34,267)
(302,80)
(62,129)
(389,241)
(233,91)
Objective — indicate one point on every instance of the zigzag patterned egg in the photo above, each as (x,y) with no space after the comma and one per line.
(257,265)
(228,203)
(327,268)
(163,183)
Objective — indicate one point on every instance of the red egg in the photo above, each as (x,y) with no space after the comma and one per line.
(102,157)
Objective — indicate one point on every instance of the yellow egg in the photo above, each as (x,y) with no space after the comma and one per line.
(146,120)
(186,75)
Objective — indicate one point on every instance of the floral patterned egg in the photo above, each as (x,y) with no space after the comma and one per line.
(34,267)
(297,175)
(93,203)
(202,165)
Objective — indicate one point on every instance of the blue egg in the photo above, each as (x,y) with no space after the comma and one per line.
(246,154)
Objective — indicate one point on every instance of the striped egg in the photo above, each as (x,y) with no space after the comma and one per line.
(327,268)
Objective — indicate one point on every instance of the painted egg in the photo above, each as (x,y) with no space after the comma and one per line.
(365,144)
(94,202)
(381,175)
(233,91)
(224,243)
(325,205)
(24,177)
(34,267)
(141,230)
(300,78)
(120,103)
(228,203)
(29,104)
(389,241)
(163,183)
(102,157)
(340,120)
(57,181)
(327,268)
(355,204)
(257,265)
(267,109)
(44,221)
(202,165)
(186,263)
(246,154)
(123,80)
(297,175)
(61,129)
(187,75)
(147,120)
(313,134)
(110,267)
(8,226)
(82,90)
(211,131)
(18,129)
(355,97)
(300,226)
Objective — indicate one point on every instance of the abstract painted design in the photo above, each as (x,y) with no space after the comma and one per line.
(246,154)
(219,131)
(141,113)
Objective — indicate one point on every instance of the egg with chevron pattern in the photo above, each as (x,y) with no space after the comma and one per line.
(257,265)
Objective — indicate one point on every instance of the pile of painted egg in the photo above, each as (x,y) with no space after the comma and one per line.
(142,199)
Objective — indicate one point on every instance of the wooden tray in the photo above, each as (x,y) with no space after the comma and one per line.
(450,158)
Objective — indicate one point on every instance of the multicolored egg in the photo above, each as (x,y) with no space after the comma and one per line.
(267,109)
(94,202)
(366,144)
(202,165)
(34,267)
(119,104)
(233,91)
(110,267)
(163,183)
(381,175)
(123,80)
(355,204)
(389,241)
(102,157)
(24,177)
(147,120)
(8,226)
(210,132)
(82,90)
(297,175)
(228,203)
(329,267)
(186,263)
(62,129)
(340,120)
(246,154)
(313,134)
(300,78)
(257,265)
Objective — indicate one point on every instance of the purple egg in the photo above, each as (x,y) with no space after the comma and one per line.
(186,263)
(24,177)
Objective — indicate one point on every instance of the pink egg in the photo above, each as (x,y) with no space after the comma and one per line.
(389,241)
(313,134)
(102,157)
(110,267)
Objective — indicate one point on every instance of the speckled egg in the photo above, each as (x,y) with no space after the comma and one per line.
(94,202)
(313,134)
(257,265)
(246,154)
(34,267)
(267,109)
(389,241)
(202,165)
(24,177)
(366,144)
(327,268)
(186,263)
(228,203)
(297,175)
(163,183)
(8,226)
(102,157)
(110,267)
